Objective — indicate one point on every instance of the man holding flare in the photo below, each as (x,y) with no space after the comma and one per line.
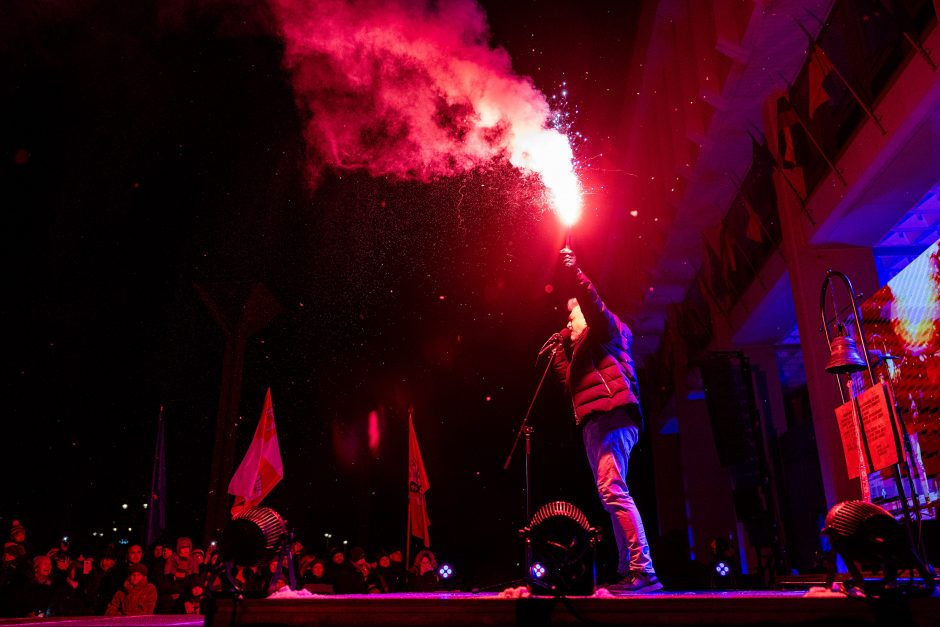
(596,368)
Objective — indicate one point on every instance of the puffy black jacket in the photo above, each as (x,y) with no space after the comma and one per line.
(599,373)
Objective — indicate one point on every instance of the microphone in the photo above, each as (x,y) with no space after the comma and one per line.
(555,340)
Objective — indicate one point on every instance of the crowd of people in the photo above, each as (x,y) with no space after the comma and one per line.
(175,578)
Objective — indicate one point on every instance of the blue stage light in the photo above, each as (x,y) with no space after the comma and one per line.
(537,570)
(445,571)
(722,569)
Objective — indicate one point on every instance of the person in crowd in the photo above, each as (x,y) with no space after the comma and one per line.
(397,576)
(14,571)
(17,571)
(160,565)
(317,575)
(352,573)
(381,571)
(303,566)
(68,591)
(199,561)
(85,568)
(257,578)
(212,560)
(268,574)
(182,560)
(595,364)
(138,597)
(424,572)
(38,594)
(213,550)
(13,578)
(154,559)
(333,567)
(190,602)
(102,583)
(61,562)
(18,537)
(176,573)
(135,555)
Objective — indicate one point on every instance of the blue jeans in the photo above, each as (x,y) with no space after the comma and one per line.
(608,439)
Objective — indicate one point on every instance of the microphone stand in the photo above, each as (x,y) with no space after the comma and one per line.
(526,430)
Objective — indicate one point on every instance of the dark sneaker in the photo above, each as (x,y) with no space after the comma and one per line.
(636,583)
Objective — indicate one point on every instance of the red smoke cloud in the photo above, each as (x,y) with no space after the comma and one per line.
(413,89)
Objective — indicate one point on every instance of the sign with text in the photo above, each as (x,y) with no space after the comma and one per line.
(845,417)
(877,418)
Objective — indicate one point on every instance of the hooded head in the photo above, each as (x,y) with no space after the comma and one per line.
(18,532)
(136,573)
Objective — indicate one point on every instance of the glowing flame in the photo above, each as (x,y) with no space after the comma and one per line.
(548,153)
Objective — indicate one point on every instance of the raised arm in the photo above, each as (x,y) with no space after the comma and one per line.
(595,312)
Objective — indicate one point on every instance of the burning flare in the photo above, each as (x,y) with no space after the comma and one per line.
(412,88)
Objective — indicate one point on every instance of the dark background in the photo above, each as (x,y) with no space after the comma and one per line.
(152,146)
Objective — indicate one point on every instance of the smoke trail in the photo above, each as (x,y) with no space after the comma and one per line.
(412,88)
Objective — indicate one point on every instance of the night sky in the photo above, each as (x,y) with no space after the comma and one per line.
(149,147)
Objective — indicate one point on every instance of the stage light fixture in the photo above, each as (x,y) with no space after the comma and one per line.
(445,571)
(253,534)
(537,570)
(561,546)
(722,569)
(868,536)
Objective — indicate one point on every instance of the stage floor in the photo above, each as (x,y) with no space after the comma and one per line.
(664,608)
(465,609)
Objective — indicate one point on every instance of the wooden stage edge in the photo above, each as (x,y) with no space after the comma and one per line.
(683,608)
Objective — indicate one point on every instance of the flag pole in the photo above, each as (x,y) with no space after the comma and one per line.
(735,244)
(902,25)
(779,169)
(813,59)
(706,281)
(745,199)
(408,533)
(809,134)
(156,508)
(812,138)
(411,410)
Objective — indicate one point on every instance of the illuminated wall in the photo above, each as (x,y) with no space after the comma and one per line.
(903,319)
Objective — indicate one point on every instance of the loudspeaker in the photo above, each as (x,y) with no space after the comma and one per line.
(729,397)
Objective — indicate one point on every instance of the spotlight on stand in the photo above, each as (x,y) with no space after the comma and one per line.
(866,535)
(561,545)
(254,534)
